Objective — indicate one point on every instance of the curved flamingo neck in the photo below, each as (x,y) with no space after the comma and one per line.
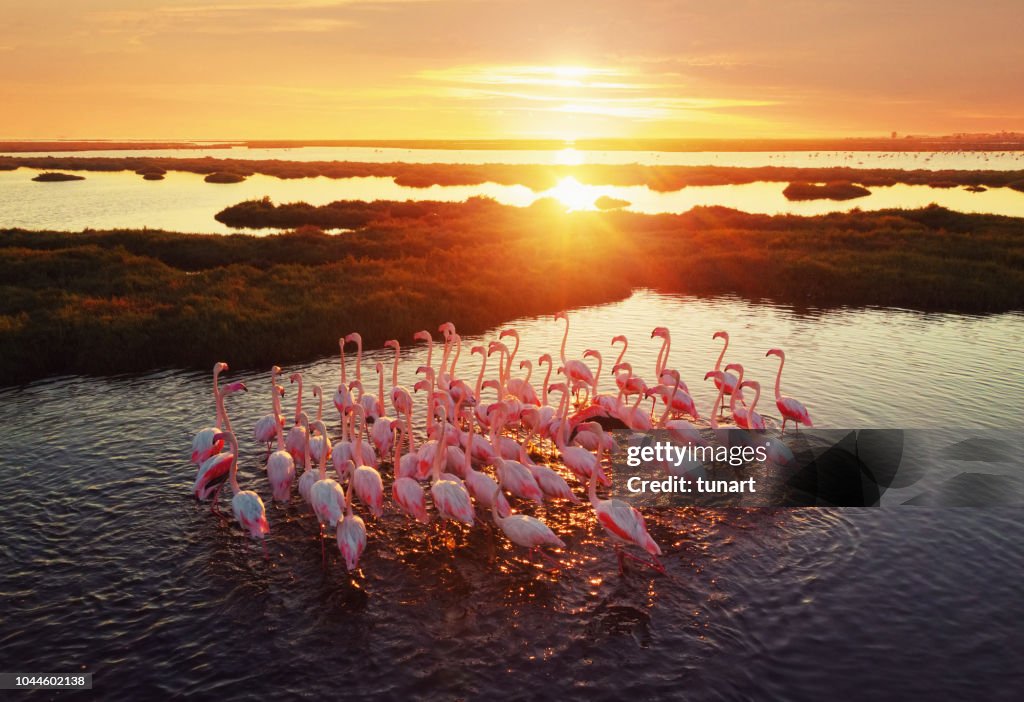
(398,447)
(547,377)
(622,354)
(757,396)
(320,406)
(275,396)
(380,389)
(662,363)
(732,397)
(565,338)
(235,489)
(298,401)
(480,377)
(718,363)
(280,436)
(305,454)
(444,356)
(341,347)
(216,396)
(778,378)
(222,412)
(394,368)
(597,375)
(515,349)
(529,372)
(322,467)
(668,405)
(455,359)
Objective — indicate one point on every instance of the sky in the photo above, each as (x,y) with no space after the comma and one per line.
(507,69)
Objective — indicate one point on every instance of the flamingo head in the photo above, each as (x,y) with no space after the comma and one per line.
(426,371)
(356,385)
(720,335)
(661,332)
(734,366)
(478,349)
(234,387)
(280,390)
(508,332)
(671,373)
(392,344)
(422,335)
(295,377)
(491,384)
(421,385)
(562,315)
(592,353)
(354,338)
(275,370)
(560,371)
(220,367)
(447,329)
(546,358)
(716,374)
(496,346)
(380,368)
(554,387)
(342,340)
(525,363)
(622,366)
(776,352)
(620,339)
(317,390)
(753,384)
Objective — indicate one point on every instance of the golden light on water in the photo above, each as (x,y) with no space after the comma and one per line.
(573,194)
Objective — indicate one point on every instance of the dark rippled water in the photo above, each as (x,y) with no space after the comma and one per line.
(110,568)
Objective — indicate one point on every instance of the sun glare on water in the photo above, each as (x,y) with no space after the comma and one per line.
(573,194)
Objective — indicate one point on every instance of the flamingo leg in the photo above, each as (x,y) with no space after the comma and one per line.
(323,549)
(653,562)
(556,563)
(263,543)
(783,426)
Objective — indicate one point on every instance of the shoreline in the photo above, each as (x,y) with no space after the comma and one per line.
(536,177)
(99,302)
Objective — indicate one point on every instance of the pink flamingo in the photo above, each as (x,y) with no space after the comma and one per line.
(369,453)
(264,431)
(628,383)
(213,472)
(524,530)
(281,464)
(577,372)
(550,482)
(625,526)
(320,442)
(722,434)
(406,490)
(674,395)
(661,365)
(309,476)
(622,354)
(791,410)
(680,429)
(521,389)
(730,380)
(401,400)
(512,475)
(581,462)
(246,504)
(326,496)
(368,484)
(481,486)
(451,499)
(371,404)
(342,396)
(351,533)
(754,420)
(296,440)
(739,414)
(209,441)
(381,434)
(343,452)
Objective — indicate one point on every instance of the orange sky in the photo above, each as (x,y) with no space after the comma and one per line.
(395,69)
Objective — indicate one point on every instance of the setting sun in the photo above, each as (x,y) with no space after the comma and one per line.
(573,194)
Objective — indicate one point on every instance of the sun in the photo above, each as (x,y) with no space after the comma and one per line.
(573,194)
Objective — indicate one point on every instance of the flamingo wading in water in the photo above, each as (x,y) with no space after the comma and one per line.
(791,410)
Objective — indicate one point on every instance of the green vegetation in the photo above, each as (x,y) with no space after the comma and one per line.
(220,177)
(840,190)
(56,177)
(422,175)
(101,302)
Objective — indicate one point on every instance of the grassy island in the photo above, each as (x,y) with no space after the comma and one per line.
(106,301)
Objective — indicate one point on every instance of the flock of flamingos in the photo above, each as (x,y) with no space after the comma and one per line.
(466,435)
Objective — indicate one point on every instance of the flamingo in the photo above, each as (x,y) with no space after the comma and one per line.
(209,441)
(581,462)
(281,463)
(626,527)
(722,434)
(213,472)
(674,395)
(308,476)
(371,405)
(630,384)
(739,414)
(326,495)
(368,484)
(342,396)
(661,365)
(754,420)
(680,429)
(521,389)
(512,475)
(321,442)
(246,504)
(550,481)
(481,486)
(451,499)
(344,450)
(406,490)
(381,434)
(576,371)
(264,431)
(401,400)
(524,530)
(730,380)
(295,442)
(351,533)
(791,410)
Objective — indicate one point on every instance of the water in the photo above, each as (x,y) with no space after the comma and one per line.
(110,567)
(184,202)
(926,160)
